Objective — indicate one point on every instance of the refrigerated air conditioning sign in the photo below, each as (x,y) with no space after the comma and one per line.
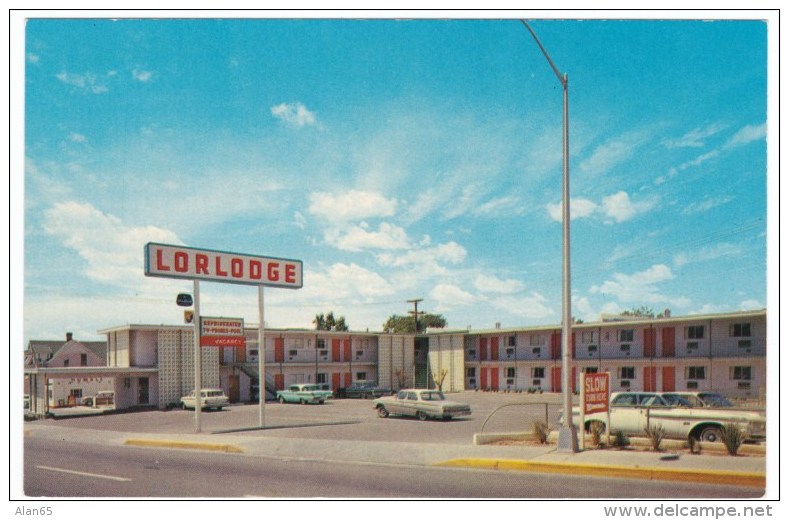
(595,392)
(171,261)
(221,332)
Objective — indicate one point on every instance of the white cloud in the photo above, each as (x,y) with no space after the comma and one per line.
(85,81)
(350,205)
(489,283)
(448,296)
(706,204)
(448,253)
(113,251)
(637,288)
(612,152)
(620,208)
(295,114)
(77,137)
(299,220)
(342,281)
(705,254)
(579,208)
(747,135)
(750,305)
(695,138)
(142,75)
(533,306)
(358,238)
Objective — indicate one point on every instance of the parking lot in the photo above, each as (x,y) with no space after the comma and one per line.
(341,419)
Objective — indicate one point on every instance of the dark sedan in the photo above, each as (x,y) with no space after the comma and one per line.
(365,390)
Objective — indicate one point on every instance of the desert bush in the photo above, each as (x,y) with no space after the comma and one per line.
(621,440)
(541,430)
(655,435)
(732,438)
(596,428)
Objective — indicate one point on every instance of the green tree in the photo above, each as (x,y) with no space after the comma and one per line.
(405,324)
(329,322)
(640,312)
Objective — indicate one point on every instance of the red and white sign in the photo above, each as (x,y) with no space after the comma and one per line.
(198,264)
(222,332)
(595,393)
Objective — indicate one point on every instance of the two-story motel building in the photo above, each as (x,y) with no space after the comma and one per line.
(152,365)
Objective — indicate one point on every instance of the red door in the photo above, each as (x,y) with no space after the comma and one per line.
(669,379)
(347,379)
(335,381)
(335,350)
(556,345)
(556,379)
(650,379)
(346,343)
(649,342)
(483,349)
(279,350)
(668,341)
(483,378)
(279,381)
(494,349)
(494,378)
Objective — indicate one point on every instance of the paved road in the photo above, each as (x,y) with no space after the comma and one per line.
(68,469)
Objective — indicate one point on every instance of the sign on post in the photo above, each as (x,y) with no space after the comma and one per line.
(595,390)
(221,332)
(171,261)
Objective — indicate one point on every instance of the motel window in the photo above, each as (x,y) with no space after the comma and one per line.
(65,362)
(83,360)
(627,372)
(76,392)
(536,350)
(740,330)
(472,354)
(695,373)
(538,372)
(361,376)
(535,340)
(694,332)
(625,347)
(471,372)
(321,379)
(588,337)
(626,335)
(320,343)
(293,353)
(510,372)
(741,373)
(592,349)
(510,352)
(511,341)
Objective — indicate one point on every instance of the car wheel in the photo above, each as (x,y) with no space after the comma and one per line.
(383,413)
(711,434)
(422,416)
(281,400)
(321,402)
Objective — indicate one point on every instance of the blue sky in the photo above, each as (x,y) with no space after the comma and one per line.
(397,159)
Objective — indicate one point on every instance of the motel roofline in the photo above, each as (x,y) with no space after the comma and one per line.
(619,320)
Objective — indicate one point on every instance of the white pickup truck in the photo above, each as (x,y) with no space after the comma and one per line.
(633,412)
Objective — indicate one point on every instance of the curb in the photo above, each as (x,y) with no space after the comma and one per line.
(599,470)
(148,443)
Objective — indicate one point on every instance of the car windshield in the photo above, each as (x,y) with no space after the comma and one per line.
(676,400)
(310,388)
(213,393)
(433,396)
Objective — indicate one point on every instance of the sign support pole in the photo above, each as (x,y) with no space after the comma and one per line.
(198,357)
(261,361)
(582,424)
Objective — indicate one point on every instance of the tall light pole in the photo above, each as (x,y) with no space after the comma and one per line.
(568,439)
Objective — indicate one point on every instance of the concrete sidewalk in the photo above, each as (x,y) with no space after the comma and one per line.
(745,470)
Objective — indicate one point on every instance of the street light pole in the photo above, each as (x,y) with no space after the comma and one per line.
(568,438)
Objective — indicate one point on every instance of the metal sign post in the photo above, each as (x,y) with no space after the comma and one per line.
(198,357)
(261,362)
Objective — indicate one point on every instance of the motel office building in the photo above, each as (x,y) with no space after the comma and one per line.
(152,365)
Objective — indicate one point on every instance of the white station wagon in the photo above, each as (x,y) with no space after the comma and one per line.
(209,398)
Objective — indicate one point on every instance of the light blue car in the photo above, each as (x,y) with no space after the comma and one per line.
(303,393)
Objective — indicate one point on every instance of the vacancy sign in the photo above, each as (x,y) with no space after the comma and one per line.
(221,332)
(595,392)
(171,261)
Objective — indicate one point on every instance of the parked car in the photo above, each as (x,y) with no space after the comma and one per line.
(103,398)
(365,389)
(420,403)
(209,398)
(303,393)
(702,399)
(632,412)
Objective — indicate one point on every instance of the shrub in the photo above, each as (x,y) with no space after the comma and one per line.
(655,435)
(541,430)
(596,428)
(621,440)
(732,438)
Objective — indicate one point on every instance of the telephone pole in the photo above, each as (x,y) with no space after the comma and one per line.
(416,313)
